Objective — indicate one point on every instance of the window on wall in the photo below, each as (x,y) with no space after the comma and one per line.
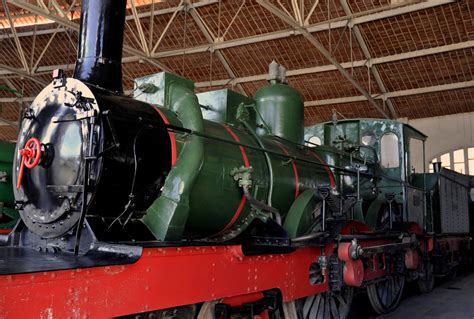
(389,153)
(461,160)
(416,155)
(430,168)
(470,160)
(458,161)
(445,160)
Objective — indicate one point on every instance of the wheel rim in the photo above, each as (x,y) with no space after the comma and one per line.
(385,295)
(426,283)
(207,309)
(328,305)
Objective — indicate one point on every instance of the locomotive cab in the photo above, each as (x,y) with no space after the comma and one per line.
(415,177)
(395,192)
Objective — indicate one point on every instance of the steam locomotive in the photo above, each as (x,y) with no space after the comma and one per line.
(103,180)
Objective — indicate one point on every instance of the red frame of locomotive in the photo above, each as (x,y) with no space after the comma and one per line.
(175,276)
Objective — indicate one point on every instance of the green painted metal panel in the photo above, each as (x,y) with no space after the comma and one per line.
(7,151)
(300,218)
(280,112)
(200,197)
(168,215)
(223,105)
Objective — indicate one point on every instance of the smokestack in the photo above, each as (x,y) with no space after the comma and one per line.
(99,59)
(436,167)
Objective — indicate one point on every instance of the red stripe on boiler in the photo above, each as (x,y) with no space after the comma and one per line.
(246,163)
(170,133)
(326,167)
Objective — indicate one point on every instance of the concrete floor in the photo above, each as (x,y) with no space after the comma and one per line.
(450,300)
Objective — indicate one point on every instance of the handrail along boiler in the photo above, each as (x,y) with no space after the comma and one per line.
(101,178)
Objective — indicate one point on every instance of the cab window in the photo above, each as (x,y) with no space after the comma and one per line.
(314,141)
(389,151)
(415,151)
